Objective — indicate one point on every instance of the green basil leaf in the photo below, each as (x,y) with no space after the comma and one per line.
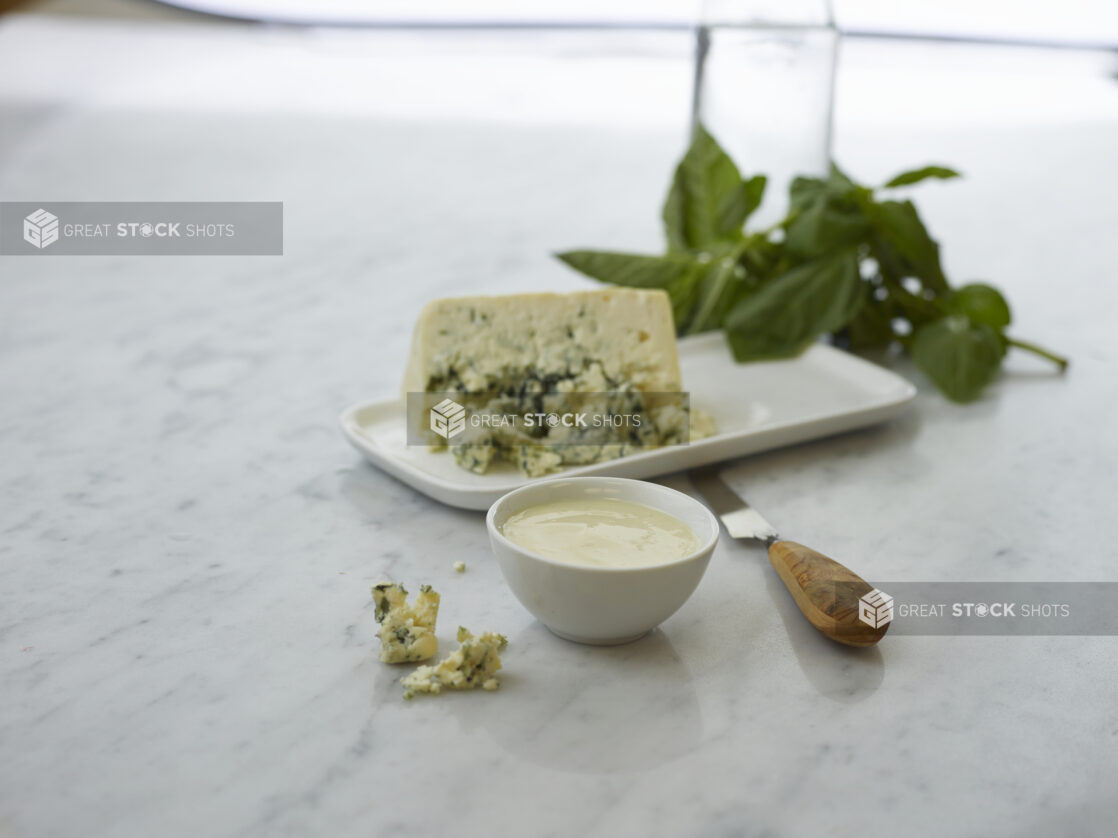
(790,311)
(708,202)
(838,183)
(982,304)
(629,269)
(822,228)
(917,175)
(683,293)
(827,215)
(871,327)
(805,191)
(891,264)
(674,215)
(959,356)
(917,308)
(754,194)
(717,289)
(900,226)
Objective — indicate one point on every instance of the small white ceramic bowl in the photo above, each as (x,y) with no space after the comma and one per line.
(601,606)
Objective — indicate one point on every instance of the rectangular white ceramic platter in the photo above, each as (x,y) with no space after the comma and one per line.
(756,406)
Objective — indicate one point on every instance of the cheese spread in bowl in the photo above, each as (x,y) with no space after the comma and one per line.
(600,532)
(601,560)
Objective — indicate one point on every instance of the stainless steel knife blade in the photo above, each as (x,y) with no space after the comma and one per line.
(740,519)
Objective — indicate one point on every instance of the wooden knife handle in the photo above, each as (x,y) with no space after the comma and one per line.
(827,592)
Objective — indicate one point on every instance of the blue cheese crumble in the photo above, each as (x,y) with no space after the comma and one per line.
(473,664)
(407,632)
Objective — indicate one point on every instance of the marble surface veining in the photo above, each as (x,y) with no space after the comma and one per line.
(187,642)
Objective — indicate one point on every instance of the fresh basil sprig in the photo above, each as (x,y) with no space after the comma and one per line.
(844,262)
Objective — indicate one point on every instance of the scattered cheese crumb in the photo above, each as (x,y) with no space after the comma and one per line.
(473,664)
(460,567)
(407,632)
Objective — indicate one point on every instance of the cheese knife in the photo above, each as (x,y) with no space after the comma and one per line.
(827,592)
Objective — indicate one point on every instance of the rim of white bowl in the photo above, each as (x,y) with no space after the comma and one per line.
(705,546)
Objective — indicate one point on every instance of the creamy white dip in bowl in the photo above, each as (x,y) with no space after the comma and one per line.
(609,562)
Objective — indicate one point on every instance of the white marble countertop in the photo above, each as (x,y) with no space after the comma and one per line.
(187,636)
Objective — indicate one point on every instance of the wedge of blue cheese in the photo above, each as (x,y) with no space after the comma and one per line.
(473,664)
(407,631)
(604,335)
(544,353)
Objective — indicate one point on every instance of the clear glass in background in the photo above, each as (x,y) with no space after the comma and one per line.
(764,87)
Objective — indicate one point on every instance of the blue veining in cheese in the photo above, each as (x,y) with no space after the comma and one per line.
(543,352)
